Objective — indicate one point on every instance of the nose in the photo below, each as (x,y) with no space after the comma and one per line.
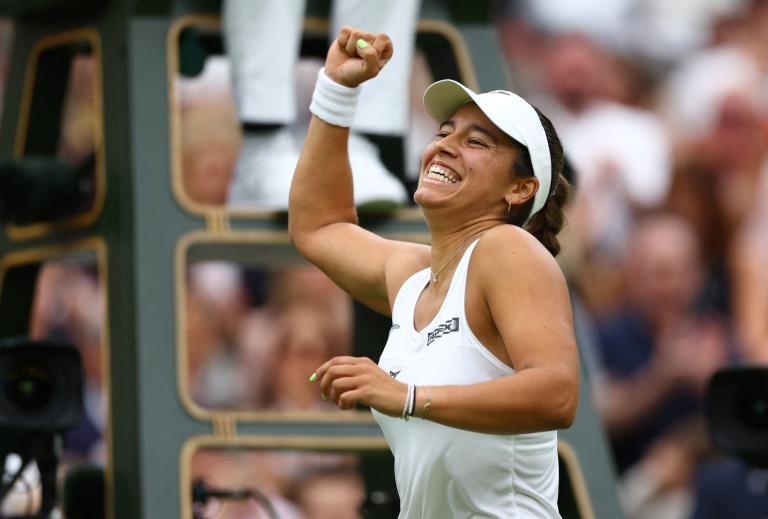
(446,145)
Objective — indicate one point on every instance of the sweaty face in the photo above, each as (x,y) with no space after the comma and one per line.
(468,164)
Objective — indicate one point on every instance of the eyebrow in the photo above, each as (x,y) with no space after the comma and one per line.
(473,127)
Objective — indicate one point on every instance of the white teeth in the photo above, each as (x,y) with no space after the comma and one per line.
(441,174)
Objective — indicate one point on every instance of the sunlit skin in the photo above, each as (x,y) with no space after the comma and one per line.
(480,156)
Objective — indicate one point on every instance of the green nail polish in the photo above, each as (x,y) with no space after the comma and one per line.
(313,377)
(362,44)
(322,395)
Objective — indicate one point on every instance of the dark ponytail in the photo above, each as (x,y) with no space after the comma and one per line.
(545,224)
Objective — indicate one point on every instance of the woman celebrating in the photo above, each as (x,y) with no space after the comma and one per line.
(480,367)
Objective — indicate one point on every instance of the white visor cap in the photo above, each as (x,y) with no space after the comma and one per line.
(510,113)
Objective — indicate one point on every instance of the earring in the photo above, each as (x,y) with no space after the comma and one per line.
(509,207)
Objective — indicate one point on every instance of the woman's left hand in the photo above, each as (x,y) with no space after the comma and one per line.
(349,381)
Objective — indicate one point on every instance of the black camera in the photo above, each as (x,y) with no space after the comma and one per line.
(41,396)
(41,386)
(737,412)
(38,189)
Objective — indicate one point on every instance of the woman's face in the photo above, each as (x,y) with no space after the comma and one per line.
(468,165)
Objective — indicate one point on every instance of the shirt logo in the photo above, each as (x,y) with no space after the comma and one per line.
(394,374)
(449,326)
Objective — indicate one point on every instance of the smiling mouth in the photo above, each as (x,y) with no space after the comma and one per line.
(442,174)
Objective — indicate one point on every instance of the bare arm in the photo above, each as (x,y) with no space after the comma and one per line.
(527,301)
(321,210)
(748,261)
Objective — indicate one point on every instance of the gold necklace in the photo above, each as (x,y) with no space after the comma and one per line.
(434,275)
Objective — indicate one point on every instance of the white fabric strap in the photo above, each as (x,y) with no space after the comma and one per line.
(334,103)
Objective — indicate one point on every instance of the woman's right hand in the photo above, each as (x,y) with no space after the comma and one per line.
(357,56)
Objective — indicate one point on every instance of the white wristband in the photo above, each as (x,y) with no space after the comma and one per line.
(334,103)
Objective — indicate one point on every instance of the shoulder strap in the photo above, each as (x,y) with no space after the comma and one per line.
(409,292)
(454,299)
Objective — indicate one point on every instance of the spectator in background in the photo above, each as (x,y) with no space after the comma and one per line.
(695,196)
(296,484)
(312,323)
(665,33)
(749,275)
(653,31)
(621,153)
(251,350)
(738,149)
(241,470)
(216,305)
(716,186)
(262,40)
(717,99)
(658,340)
(730,61)
(658,352)
(210,135)
(69,307)
(331,494)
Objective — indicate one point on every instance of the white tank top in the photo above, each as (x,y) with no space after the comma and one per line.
(443,472)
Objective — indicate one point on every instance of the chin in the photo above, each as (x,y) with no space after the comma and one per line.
(427,202)
(421,197)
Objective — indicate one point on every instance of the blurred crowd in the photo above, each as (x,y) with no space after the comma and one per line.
(256,335)
(663,111)
(289,484)
(70,307)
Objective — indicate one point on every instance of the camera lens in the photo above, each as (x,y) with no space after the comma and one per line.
(752,410)
(29,387)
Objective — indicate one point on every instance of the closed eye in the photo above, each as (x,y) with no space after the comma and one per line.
(477,143)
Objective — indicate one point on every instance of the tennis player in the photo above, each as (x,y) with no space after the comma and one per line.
(480,368)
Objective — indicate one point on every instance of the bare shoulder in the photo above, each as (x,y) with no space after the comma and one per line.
(508,251)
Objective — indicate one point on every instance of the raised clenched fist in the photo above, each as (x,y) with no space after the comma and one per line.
(357,56)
